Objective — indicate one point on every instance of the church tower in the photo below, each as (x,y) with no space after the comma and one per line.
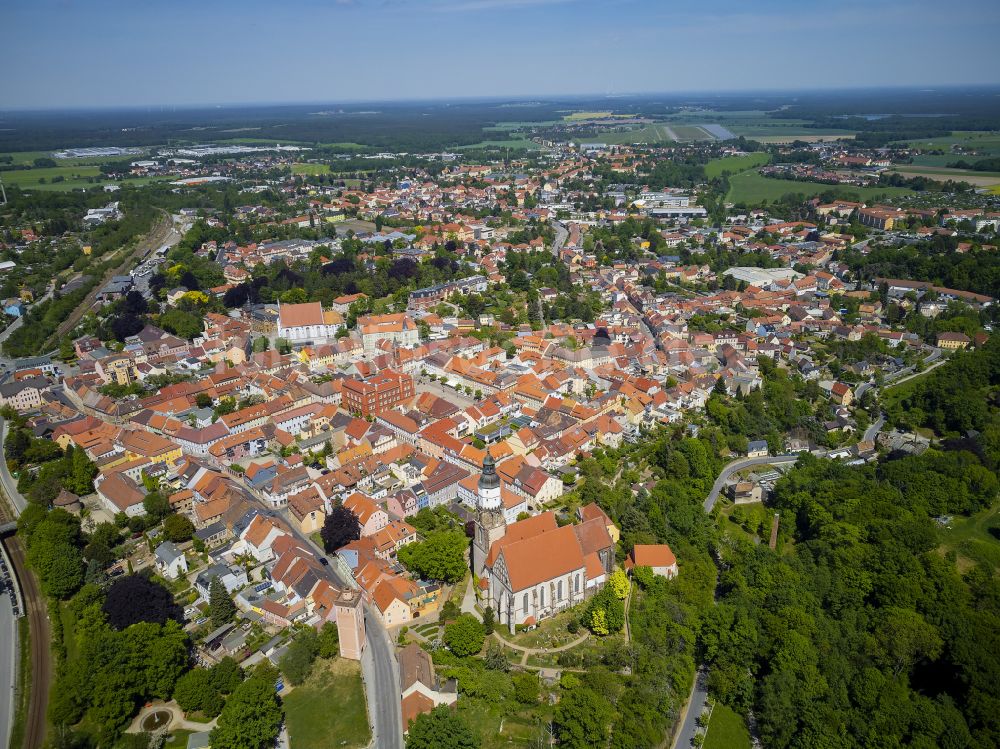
(490,523)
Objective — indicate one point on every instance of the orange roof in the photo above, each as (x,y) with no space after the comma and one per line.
(652,555)
(297,315)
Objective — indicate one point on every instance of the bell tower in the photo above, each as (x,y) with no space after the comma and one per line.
(490,522)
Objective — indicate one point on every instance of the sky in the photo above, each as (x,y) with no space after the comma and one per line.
(108,53)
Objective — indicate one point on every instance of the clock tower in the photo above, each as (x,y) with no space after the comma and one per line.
(490,523)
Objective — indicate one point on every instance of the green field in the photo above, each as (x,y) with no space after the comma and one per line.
(726,730)
(981,141)
(310,169)
(73,176)
(329,708)
(28,157)
(690,132)
(523,143)
(498,731)
(752,188)
(653,133)
(734,164)
(971,540)
(941,173)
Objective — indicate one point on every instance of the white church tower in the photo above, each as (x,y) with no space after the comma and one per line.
(490,523)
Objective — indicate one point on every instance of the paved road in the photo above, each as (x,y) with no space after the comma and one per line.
(9,484)
(378,662)
(874,428)
(695,706)
(562,234)
(739,465)
(381,675)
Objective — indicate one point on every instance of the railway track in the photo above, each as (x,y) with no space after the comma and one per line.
(36,611)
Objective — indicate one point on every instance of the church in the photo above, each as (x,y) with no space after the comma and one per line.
(533,569)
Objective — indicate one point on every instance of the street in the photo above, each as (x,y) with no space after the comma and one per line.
(381,677)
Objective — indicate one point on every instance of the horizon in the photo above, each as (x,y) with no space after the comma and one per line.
(110,54)
(525,98)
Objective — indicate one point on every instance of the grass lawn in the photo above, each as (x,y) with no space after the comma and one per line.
(178,739)
(328,710)
(523,728)
(752,188)
(310,169)
(735,164)
(726,730)
(550,633)
(595,116)
(971,540)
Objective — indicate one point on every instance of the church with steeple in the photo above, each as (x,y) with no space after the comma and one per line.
(534,568)
(490,523)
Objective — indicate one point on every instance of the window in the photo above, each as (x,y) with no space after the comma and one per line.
(541,600)
(525,603)
(576,585)
(559,591)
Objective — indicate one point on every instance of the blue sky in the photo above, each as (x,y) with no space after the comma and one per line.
(96,53)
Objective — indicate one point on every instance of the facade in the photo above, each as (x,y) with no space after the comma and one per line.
(307,322)
(378,394)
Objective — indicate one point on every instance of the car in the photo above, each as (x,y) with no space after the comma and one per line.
(324,561)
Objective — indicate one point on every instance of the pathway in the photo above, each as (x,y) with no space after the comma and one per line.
(469,600)
(177,719)
(526,651)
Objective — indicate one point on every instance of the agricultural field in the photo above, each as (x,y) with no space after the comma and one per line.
(522,143)
(28,158)
(980,179)
(986,143)
(752,188)
(311,170)
(653,133)
(581,116)
(734,164)
(691,132)
(312,724)
(41,178)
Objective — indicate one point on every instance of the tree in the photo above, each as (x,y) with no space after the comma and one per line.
(136,598)
(526,688)
(582,719)
(440,557)
(196,690)
(496,658)
(464,636)
(297,662)
(227,675)
(221,608)
(440,729)
(618,582)
(329,641)
(340,527)
(178,528)
(156,505)
(252,716)
(203,400)
(489,620)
